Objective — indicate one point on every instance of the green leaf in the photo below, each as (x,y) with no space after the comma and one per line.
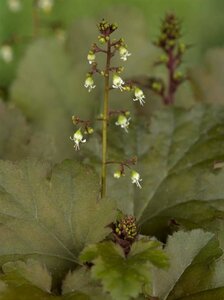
(176,157)
(50,219)
(51,104)
(20,280)
(193,272)
(31,271)
(18,141)
(207,79)
(80,281)
(124,277)
(14,133)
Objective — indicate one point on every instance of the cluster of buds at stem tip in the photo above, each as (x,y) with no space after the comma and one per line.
(173,50)
(106,29)
(125,231)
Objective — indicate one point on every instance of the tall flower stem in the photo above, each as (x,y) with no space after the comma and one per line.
(105,122)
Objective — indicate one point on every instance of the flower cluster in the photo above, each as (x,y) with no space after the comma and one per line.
(106,30)
(172,57)
(170,32)
(126,228)
(112,80)
(135,176)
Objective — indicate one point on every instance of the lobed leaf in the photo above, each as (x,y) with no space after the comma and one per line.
(193,272)
(176,159)
(52,219)
(124,277)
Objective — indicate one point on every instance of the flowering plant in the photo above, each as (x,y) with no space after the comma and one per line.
(112,46)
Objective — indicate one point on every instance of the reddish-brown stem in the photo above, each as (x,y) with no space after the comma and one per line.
(171,65)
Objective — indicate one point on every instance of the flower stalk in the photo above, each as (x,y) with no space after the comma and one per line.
(105,121)
(112,80)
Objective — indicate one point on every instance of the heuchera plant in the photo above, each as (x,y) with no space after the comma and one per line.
(112,80)
(124,230)
(73,244)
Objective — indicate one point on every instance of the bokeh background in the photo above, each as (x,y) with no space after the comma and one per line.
(41,79)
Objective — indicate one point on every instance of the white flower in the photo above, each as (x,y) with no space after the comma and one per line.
(89,83)
(91,57)
(139,96)
(117,174)
(117,82)
(123,121)
(77,139)
(6,53)
(46,5)
(135,178)
(124,53)
(14,5)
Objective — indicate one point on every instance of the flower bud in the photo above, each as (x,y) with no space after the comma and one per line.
(89,130)
(117,174)
(91,57)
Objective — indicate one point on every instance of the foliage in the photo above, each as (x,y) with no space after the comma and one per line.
(194,274)
(125,277)
(52,219)
(59,240)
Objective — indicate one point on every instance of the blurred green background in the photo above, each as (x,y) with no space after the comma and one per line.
(43,76)
(203,22)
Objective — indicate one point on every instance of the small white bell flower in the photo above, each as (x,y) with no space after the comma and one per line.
(124,53)
(123,121)
(139,96)
(91,57)
(89,83)
(6,53)
(77,139)
(46,5)
(135,178)
(14,5)
(117,82)
(117,174)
